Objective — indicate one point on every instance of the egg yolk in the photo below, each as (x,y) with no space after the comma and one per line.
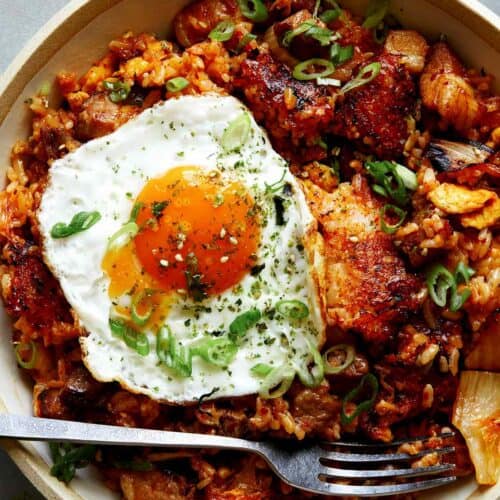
(198,233)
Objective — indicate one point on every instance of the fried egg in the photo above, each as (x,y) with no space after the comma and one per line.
(202,238)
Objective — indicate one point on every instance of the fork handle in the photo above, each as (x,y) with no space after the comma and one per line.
(44,429)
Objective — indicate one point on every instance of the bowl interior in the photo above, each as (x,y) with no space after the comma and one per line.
(77,37)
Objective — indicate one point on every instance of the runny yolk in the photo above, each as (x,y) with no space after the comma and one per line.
(199,233)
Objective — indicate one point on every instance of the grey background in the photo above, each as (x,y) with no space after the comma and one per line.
(19,20)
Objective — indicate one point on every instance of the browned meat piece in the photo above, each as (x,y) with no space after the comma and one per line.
(409,46)
(100,117)
(193,23)
(368,287)
(80,389)
(155,485)
(294,112)
(279,9)
(376,114)
(31,291)
(47,403)
(444,89)
(350,377)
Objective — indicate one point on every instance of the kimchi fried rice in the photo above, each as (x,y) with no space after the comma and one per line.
(392,104)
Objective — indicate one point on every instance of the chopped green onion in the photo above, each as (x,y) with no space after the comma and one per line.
(140,299)
(45,89)
(459,299)
(80,222)
(255,10)
(329,81)
(439,282)
(277,382)
(380,190)
(350,355)
(339,54)
(300,71)
(246,39)
(67,458)
(391,228)
(463,273)
(330,15)
(261,370)
(134,339)
(366,75)
(172,354)
(177,84)
(242,323)
(237,132)
(222,32)
(123,236)
(408,177)
(135,211)
(310,29)
(117,91)
(375,13)
(21,348)
(294,309)
(276,186)
(219,352)
(312,377)
(369,380)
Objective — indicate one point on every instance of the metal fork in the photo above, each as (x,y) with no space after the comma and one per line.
(310,467)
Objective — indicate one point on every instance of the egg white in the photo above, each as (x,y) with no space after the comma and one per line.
(107,175)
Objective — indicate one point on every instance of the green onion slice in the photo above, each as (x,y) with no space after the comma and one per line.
(135,211)
(340,55)
(463,273)
(117,91)
(294,309)
(330,15)
(458,299)
(366,75)
(377,10)
(255,10)
(408,177)
(350,355)
(399,212)
(138,301)
(245,40)
(20,349)
(300,72)
(222,32)
(329,81)
(79,223)
(134,339)
(172,354)
(177,84)
(123,236)
(218,352)
(368,380)
(277,382)
(261,370)
(67,458)
(237,132)
(242,323)
(314,375)
(393,180)
(439,282)
(310,29)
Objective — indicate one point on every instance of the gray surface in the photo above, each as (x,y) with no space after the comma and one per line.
(19,20)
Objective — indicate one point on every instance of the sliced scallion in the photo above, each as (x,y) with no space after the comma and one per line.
(134,339)
(350,355)
(330,15)
(139,301)
(339,54)
(310,29)
(463,273)
(222,32)
(242,323)
(123,236)
(261,370)
(255,10)
(245,40)
(377,10)
(237,132)
(117,91)
(312,376)
(218,352)
(329,81)
(79,223)
(294,309)
(366,75)
(372,383)
(277,382)
(399,212)
(20,351)
(439,282)
(177,84)
(301,71)
(173,354)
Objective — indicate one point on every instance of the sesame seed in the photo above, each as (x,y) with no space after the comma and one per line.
(222,233)
(233,240)
(182,291)
(353,239)
(163,263)
(224,259)
(179,258)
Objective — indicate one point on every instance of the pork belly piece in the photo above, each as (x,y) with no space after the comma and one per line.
(368,288)
(410,46)
(295,113)
(376,114)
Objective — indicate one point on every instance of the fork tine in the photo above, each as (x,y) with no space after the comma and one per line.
(342,444)
(381,490)
(332,472)
(381,457)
